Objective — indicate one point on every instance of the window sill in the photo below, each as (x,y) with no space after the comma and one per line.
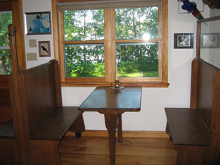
(87,84)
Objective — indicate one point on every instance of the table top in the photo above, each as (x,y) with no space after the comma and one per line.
(107,99)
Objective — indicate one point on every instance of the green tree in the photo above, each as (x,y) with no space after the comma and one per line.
(133,24)
(87,60)
(5,57)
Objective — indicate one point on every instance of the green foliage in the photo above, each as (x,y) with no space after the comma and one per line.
(133,23)
(137,58)
(85,60)
(5,57)
(84,25)
(81,70)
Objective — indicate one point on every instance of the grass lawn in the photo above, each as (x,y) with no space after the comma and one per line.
(135,74)
(139,74)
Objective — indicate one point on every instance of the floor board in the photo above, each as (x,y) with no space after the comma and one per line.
(137,148)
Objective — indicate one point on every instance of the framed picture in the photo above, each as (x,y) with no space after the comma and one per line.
(183,40)
(44,48)
(38,23)
(210,40)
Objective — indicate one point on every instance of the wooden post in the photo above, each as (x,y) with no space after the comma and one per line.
(14,94)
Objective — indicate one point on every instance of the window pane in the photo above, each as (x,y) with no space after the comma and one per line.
(5,57)
(137,60)
(5,20)
(5,62)
(84,25)
(137,23)
(85,60)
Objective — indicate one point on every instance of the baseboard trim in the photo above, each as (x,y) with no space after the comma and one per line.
(103,133)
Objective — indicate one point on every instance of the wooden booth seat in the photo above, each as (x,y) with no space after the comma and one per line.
(195,130)
(39,119)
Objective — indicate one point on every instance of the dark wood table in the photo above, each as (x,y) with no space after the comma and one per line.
(112,103)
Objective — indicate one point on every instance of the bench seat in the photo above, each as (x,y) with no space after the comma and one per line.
(56,124)
(187,127)
(7,130)
(40,121)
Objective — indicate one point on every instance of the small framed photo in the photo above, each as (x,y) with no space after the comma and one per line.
(38,23)
(210,40)
(44,48)
(183,40)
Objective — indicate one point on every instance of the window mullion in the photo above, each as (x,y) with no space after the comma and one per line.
(160,64)
(62,60)
(113,31)
(108,45)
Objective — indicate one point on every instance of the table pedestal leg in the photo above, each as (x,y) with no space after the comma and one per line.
(120,128)
(111,125)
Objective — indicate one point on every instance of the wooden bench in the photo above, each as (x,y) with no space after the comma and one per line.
(195,130)
(39,119)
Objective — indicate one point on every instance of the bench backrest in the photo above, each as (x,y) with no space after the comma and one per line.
(205,96)
(5,102)
(40,93)
(4,92)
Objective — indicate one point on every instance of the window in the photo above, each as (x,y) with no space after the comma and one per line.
(98,44)
(5,57)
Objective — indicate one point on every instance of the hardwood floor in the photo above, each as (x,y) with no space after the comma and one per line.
(152,148)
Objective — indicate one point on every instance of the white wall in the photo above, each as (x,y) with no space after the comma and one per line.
(37,6)
(152,116)
(214,12)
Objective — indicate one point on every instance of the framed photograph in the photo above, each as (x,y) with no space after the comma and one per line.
(38,23)
(44,48)
(210,40)
(183,40)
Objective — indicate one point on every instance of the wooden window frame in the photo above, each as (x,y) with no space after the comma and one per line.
(110,60)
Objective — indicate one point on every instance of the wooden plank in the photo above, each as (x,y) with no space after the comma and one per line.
(10,152)
(206,74)
(37,89)
(191,155)
(5,6)
(187,127)
(165,40)
(194,82)
(17,16)
(57,83)
(14,93)
(56,124)
(5,114)
(153,148)
(215,124)
(100,133)
(5,97)
(106,99)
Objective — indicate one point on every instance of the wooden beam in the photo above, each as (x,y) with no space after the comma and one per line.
(7,0)
(5,6)
(17,14)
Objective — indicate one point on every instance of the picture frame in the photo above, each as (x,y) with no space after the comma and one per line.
(183,40)
(210,40)
(44,48)
(38,23)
